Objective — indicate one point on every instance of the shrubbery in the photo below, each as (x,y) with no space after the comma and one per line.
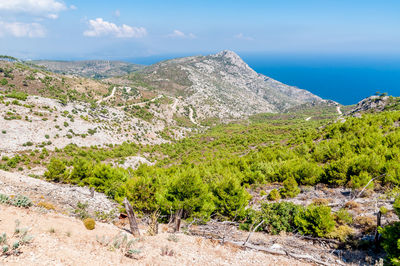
(315,220)
(391,237)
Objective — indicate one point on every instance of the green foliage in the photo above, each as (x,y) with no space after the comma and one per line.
(383,210)
(342,216)
(277,217)
(81,210)
(391,237)
(18,95)
(230,197)
(315,221)
(17,201)
(342,232)
(89,223)
(361,180)
(187,191)
(290,188)
(274,195)
(56,170)
(21,201)
(228,158)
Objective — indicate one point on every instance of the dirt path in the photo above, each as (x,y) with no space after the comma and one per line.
(109,96)
(338,110)
(191,116)
(144,103)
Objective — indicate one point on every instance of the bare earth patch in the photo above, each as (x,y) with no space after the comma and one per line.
(63,240)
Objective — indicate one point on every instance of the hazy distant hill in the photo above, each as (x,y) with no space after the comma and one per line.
(89,68)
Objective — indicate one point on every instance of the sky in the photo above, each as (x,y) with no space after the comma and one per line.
(95,29)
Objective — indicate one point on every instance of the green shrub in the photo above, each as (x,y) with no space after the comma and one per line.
(342,232)
(4,199)
(230,197)
(383,210)
(18,95)
(188,192)
(290,188)
(277,217)
(17,201)
(21,201)
(89,223)
(56,170)
(274,195)
(361,180)
(391,237)
(342,216)
(315,221)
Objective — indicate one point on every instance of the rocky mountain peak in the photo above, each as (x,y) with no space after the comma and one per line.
(232,58)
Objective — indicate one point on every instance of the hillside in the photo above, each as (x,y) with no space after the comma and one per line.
(97,69)
(220,85)
(211,141)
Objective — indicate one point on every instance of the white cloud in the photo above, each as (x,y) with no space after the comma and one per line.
(241,36)
(180,34)
(72,7)
(117,13)
(99,27)
(47,8)
(18,29)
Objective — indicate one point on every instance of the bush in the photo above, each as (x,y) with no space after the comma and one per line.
(188,192)
(274,195)
(17,201)
(391,237)
(315,220)
(277,217)
(230,198)
(290,188)
(342,216)
(342,232)
(21,201)
(56,170)
(89,223)
(18,95)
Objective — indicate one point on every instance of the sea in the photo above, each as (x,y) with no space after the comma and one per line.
(346,79)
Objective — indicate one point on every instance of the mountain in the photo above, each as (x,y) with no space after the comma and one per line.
(89,68)
(374,104)
(157,104)
(220,85)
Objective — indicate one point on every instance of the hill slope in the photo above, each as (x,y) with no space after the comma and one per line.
(220,85)
(89,68)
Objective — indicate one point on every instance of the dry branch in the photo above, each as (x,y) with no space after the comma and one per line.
(132,219)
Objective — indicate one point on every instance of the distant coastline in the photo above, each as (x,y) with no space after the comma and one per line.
(344,79)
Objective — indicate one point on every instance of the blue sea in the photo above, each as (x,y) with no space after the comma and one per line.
(345,79)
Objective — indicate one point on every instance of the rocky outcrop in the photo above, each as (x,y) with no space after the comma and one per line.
(375,104)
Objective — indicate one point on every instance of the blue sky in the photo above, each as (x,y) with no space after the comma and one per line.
(72,29)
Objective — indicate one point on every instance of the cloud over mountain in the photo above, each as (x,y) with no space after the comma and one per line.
(99,27)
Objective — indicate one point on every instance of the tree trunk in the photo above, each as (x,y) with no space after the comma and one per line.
(132,219)
(178,220)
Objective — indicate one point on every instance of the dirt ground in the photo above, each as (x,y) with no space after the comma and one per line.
(63,240)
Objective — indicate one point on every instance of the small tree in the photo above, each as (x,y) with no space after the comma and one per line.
(56,170)
(290,188)
(315,220)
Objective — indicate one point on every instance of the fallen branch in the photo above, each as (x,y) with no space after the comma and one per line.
(252,231)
